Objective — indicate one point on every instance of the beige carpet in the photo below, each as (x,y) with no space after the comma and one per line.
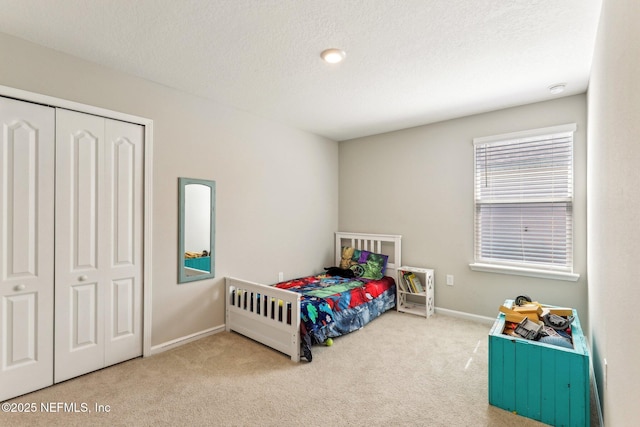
(400,370)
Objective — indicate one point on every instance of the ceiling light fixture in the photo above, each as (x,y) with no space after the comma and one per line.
(333,55)
(557,88)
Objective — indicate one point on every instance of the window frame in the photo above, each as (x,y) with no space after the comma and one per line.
(524,268)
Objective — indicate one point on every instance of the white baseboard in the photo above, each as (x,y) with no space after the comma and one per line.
(466,316)
(184,340)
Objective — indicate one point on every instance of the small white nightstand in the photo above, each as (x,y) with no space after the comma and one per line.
(420,303)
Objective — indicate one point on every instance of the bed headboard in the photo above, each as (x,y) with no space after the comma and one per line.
(386,244)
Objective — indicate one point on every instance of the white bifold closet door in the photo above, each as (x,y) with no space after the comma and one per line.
(71,230)
(98,243)
(27,153)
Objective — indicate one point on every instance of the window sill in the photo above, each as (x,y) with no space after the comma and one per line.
(521,271)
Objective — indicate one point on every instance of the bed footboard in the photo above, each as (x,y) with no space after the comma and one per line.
(265,314)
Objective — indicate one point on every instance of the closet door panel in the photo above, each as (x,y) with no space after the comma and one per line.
(20,340)
(99,211)
(83,203)
(26,247)
(80,255)
(124,173)
(84,299)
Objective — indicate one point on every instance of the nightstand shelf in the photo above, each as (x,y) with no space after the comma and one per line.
(419,303)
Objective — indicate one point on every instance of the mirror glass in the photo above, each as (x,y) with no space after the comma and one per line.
(196,243)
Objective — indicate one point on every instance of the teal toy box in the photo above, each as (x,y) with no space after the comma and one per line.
(541,381)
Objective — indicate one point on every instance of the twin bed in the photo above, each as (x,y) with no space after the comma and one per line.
(322,306)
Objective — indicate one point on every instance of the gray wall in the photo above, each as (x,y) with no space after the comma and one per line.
(418,182)
(276,187)
(614,203)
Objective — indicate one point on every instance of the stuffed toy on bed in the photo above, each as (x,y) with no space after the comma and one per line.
(342,272)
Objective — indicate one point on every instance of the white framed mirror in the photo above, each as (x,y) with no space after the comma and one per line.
(196,237)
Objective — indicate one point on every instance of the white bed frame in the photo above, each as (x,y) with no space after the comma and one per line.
(277,324)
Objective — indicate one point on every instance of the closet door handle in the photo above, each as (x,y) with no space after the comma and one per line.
(20,287)
(82,278)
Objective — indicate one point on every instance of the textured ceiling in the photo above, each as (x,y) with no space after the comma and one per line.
(409,62)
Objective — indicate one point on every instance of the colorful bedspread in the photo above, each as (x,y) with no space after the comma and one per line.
(334,306)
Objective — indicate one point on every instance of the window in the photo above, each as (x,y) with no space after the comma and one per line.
(524,202)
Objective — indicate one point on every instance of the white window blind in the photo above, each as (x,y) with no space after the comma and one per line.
(524,198)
